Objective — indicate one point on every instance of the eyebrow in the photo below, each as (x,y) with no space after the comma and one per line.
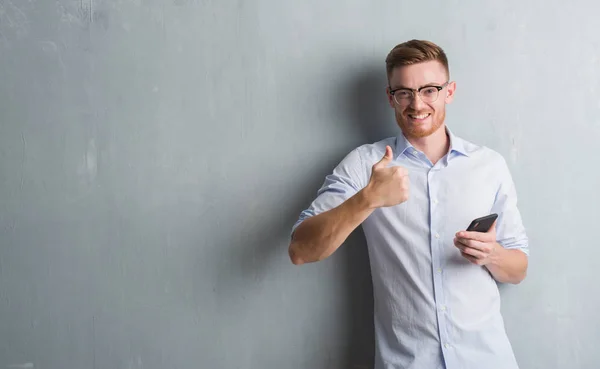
(431,84)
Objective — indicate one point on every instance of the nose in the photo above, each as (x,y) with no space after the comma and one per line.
(416,103)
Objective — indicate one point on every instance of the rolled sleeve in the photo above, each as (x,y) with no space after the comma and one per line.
(344,182)
(510,232)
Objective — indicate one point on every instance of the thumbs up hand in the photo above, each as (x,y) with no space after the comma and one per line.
(387,186)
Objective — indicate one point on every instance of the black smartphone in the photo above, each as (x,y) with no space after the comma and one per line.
(482,224)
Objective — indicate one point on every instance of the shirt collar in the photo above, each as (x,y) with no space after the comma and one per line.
(457,144)
(402,144)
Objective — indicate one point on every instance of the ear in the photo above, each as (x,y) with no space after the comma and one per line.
(390,97)
(451,89)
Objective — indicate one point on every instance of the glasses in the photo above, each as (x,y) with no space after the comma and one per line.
(427,94)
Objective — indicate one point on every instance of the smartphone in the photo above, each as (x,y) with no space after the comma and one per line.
(482,224)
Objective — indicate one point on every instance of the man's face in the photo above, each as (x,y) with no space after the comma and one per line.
(416,115)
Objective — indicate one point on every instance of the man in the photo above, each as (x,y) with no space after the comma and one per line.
(436,300)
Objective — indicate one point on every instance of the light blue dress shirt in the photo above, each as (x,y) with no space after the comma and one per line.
(433,308)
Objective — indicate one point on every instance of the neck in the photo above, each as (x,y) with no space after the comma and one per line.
(434,146)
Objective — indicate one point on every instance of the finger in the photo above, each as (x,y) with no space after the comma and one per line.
(474,244)
(386,158)
(472,259)
(465,244)
(473,252)
(477,236)
(459,245)
(401,173)
(405,182)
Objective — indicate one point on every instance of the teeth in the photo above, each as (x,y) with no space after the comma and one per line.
(421,116)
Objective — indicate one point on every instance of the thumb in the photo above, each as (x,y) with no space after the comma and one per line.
(386,158)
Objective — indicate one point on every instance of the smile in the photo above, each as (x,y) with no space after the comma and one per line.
(420,116)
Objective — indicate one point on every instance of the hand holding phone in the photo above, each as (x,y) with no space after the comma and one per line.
(479,246)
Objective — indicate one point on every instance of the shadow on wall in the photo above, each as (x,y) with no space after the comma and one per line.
(257,248)
(364,104)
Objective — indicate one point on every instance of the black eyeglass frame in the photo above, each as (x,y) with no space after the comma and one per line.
(418,91)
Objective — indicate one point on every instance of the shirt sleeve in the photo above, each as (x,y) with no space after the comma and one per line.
(510,232)
(344,182)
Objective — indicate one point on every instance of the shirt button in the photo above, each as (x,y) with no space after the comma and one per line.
(437,235)
(415,152)
(446,345)
(435,201)
(439,270)
(443,308)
